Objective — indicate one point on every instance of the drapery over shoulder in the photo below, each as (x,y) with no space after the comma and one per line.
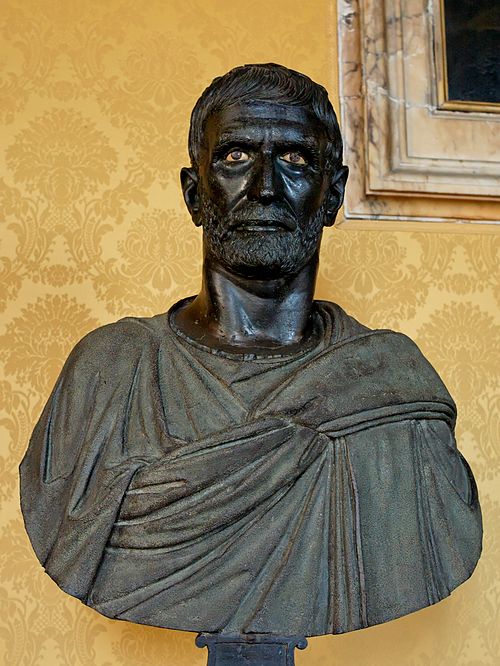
(154,493)
(81,458)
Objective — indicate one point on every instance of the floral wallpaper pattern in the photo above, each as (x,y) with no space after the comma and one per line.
(95,98)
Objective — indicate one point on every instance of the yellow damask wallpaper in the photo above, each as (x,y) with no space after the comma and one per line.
(95,97)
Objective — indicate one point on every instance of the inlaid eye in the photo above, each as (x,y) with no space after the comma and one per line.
(293,157)
(236,156)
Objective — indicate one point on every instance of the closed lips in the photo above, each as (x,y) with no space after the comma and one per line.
(273,222)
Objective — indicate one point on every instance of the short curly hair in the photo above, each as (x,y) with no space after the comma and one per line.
(265,83)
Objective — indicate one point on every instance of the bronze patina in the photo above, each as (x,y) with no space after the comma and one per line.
(253,461)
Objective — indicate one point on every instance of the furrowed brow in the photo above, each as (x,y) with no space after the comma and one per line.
(232,137)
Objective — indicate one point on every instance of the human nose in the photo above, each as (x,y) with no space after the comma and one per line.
(265,185)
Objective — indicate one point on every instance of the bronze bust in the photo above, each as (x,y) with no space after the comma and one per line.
(253,460)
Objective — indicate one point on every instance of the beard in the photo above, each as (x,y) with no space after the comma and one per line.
(260,254)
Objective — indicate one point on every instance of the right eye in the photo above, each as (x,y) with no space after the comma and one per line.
(236,156)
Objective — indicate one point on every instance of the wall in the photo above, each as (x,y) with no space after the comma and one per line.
(95,101)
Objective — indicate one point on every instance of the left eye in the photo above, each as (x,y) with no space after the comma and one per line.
(294,157)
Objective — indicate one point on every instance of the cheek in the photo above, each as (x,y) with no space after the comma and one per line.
(305,196)
(226,191)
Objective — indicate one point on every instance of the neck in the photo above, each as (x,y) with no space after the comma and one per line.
(232,311)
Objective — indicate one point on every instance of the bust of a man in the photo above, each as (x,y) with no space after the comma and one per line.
(253,460)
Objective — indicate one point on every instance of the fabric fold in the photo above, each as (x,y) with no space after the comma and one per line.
(308,494)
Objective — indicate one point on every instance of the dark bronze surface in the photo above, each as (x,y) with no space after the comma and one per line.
(251,649)
(253,461)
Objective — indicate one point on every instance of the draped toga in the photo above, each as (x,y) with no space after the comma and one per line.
(311,493)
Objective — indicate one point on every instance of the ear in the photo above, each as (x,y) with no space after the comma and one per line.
(335,196)
(189,184)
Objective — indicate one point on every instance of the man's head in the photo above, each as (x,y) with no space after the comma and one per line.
(266,174)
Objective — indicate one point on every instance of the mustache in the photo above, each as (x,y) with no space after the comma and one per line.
(261,217)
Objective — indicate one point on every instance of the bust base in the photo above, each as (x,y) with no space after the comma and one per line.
(250,649)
